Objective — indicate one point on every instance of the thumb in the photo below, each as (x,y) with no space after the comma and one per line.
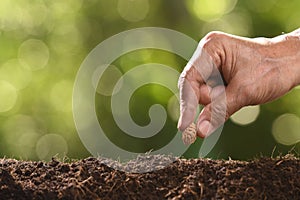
(213,115)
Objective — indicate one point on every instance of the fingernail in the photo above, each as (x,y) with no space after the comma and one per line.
(203,128)
(179,124)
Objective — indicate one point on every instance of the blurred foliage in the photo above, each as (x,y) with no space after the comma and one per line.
(43,43)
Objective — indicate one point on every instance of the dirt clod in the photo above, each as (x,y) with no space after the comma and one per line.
(263,178)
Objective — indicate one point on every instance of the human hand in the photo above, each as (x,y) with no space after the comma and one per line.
(254,71)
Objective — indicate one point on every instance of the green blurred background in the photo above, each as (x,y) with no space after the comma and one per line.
(43,43)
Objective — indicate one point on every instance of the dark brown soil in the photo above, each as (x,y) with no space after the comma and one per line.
(264,178)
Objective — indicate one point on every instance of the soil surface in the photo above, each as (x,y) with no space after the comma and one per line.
(90,178)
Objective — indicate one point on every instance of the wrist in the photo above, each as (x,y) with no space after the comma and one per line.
(286,50)
(294,38)
(292,60)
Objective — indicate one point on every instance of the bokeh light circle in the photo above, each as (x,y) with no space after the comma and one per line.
(12,72)
(8,96)
(246,115)
(210,10)
(286,129)
(33,54)
(133,10)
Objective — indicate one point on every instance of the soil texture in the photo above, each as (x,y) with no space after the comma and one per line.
(91,178)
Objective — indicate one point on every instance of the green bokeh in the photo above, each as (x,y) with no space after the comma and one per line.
(43,43)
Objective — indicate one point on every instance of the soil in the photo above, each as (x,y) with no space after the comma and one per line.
(263,178)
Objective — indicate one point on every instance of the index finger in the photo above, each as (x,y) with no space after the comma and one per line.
(192,87)
(188,103)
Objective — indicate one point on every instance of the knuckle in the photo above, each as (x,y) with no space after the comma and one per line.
(213,44)
(214,34)
(212,37)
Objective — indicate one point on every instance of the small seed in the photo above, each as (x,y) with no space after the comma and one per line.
(189,135)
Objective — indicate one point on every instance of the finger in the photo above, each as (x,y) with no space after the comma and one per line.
(204,94)
(188,103)
(201,89)
(192,86)
(191,95)
(213,115)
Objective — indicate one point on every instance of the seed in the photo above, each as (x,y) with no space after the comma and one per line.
(189,135)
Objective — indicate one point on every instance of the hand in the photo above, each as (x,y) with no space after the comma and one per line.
(254,71)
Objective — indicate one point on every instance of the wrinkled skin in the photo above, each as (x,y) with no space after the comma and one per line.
(254,71)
